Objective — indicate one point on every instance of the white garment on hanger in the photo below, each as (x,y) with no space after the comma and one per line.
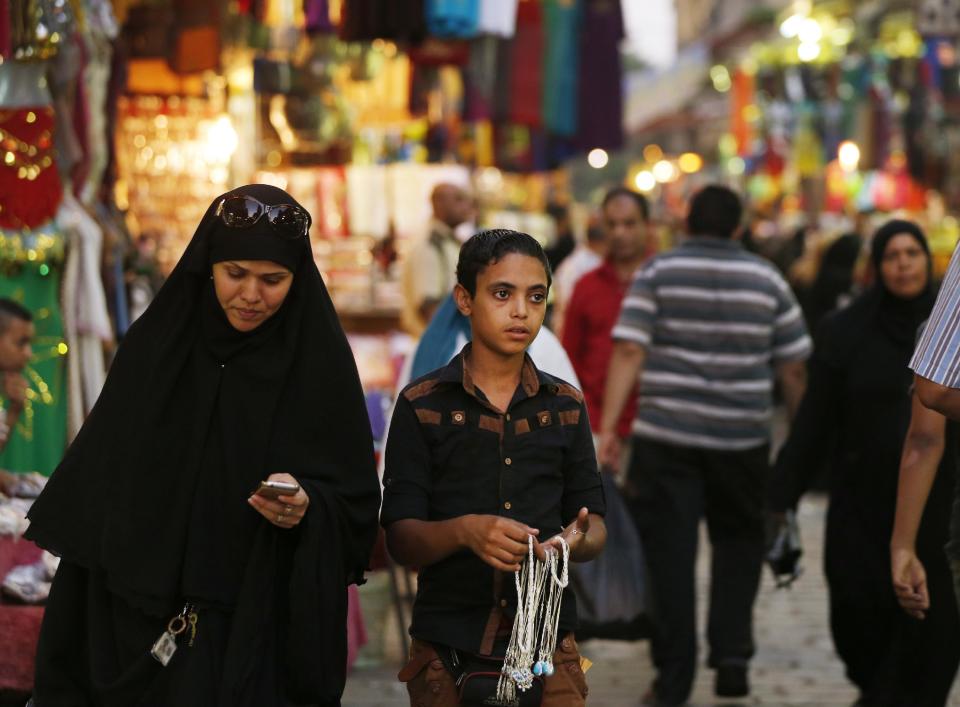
(89,316)
(498,17)
(70,289)
(367,205)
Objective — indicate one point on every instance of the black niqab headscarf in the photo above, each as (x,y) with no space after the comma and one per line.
(192,415)
(900,317)
(897,317)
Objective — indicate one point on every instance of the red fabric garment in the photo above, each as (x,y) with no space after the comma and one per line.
(587,326)
(24,202)
(527,68)
(5,48)
(19,625)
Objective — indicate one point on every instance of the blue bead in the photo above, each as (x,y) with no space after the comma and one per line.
(548,669)
(538,668)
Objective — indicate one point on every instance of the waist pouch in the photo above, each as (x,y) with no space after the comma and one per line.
(477,676)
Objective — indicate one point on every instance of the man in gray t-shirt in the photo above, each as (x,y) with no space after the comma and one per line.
(707,328)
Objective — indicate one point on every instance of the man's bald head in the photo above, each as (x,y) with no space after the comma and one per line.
(451,204)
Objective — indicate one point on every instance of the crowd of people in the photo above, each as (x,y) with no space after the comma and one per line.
(223,493)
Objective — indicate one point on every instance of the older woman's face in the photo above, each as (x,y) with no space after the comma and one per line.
(250,291)
(904,267)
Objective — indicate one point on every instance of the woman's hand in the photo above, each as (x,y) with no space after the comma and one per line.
(286,511)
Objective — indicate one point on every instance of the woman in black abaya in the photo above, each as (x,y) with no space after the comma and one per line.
(854,417)
(238,372)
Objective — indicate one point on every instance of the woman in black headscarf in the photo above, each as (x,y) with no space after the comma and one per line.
(238,372)
(834,279)
(854,417)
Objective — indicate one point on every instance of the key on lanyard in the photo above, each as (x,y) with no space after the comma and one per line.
(165,646)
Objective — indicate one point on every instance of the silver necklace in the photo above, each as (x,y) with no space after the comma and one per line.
(535,626)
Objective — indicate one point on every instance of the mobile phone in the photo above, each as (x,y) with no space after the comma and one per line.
(274,489)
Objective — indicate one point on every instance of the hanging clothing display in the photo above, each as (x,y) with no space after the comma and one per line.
(29,183)
(497,17)
(454,19)
(401,20)
(367,208)
(526,84)
(86,318)
(37,441)
(560,62)
(102,29)
(600,80)
(32,257)
(480,79)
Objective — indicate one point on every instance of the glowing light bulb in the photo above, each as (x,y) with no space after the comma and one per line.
(848,155)
(690,162)
(645,181)
(598,158)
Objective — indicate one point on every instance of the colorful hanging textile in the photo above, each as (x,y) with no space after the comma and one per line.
(599,86)
(453,19)
(526,84)
(402,20)
(742,96)
(6,49)
(497,17)
(30,189)
(560,66)
(480,79)
(317,15)
(31,264)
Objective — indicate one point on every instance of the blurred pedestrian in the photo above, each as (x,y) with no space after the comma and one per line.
(564,242)
(918,565)
(595,304)
(585,257)
(16,339)
(854,418)
(706,327)
(936,360)
(832,285)
(429,267)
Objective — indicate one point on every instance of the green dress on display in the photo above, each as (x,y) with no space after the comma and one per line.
(31,265)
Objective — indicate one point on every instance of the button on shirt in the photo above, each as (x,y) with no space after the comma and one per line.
(714,320)
(451,453)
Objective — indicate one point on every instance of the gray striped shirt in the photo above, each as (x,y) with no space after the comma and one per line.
(937,356)
(714,320)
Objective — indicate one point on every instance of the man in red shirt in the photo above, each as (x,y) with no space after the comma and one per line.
(595,303)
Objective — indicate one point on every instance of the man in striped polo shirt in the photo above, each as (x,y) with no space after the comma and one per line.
(710,327)
(936,361)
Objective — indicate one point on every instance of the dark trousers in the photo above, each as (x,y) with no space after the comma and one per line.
(670,488)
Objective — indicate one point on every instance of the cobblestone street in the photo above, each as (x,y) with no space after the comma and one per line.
(795,663)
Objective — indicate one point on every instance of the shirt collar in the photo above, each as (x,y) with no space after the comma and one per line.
(531,378)
(713,242)
(439,228)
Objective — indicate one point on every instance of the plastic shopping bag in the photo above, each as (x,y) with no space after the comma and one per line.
(612,589)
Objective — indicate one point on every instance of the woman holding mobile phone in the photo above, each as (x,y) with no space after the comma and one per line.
(186,580)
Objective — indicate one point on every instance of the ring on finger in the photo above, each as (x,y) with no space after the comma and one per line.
(280,517)
(287,509)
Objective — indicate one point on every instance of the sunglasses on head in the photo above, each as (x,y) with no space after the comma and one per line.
(288,220)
